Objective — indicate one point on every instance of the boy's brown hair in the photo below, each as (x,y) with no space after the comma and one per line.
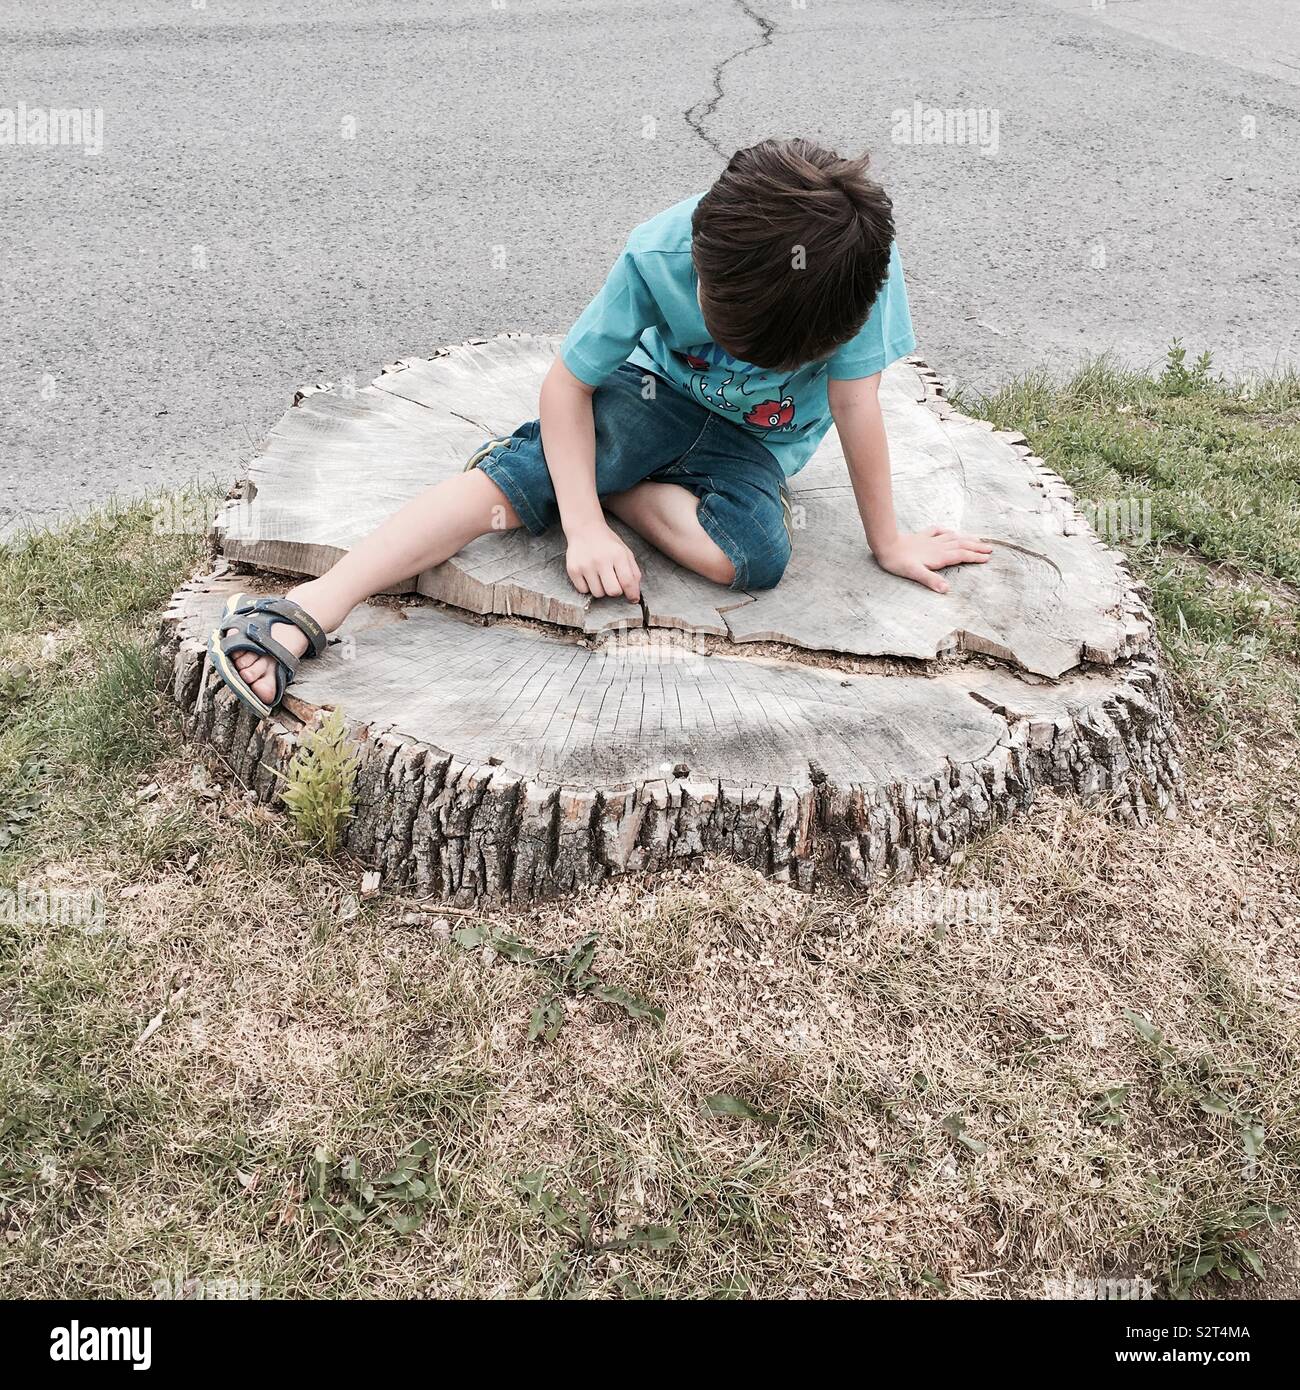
(791,246)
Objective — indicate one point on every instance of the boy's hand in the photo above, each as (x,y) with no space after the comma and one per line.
(601,565)
(919,555)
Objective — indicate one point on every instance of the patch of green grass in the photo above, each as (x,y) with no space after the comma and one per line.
(1217,463)
(112,566)
(570,974)
(108,721)
(79,607)
(1226,1249)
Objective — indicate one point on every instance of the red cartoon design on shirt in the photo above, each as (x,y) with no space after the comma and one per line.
(773,415)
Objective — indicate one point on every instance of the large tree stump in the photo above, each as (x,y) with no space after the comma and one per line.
(519,739)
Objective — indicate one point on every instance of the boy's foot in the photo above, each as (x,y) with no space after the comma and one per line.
(258,672)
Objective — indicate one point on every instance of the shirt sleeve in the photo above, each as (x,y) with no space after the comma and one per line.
(885,337)
(611,325)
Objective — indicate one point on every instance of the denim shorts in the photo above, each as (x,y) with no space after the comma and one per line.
(669,438)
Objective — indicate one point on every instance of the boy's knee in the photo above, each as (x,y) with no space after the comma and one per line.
(767,567)
(755,539)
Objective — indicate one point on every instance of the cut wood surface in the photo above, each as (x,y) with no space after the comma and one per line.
(1051,598)
(552,740)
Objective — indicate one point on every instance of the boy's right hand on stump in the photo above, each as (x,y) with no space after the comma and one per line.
(600,564)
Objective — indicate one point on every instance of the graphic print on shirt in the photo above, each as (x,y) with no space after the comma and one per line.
(707,362)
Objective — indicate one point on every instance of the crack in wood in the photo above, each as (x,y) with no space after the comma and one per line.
(833,599)
(475,824)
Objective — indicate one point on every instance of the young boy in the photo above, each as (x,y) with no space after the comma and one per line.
(731,332)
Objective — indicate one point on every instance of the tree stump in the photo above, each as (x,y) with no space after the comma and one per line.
(518,739)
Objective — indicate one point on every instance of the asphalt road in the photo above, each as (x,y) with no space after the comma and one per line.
(306,190)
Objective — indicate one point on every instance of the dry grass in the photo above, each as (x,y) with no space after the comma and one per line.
(851,1033)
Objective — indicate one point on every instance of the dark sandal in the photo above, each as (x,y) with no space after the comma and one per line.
(246,627)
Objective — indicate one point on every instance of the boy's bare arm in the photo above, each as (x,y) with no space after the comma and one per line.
(855,408)
(598,561)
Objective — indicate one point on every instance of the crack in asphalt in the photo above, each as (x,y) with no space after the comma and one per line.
(696,115)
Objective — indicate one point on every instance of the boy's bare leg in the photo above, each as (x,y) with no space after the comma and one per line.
(429,529)
(668,517)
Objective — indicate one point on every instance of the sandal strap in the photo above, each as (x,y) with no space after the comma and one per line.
(290,612)
(484,450)
(248,635)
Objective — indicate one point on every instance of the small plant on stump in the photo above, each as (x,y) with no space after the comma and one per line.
(319,784)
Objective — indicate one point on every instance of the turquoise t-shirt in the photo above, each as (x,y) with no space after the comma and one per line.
(647,313)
